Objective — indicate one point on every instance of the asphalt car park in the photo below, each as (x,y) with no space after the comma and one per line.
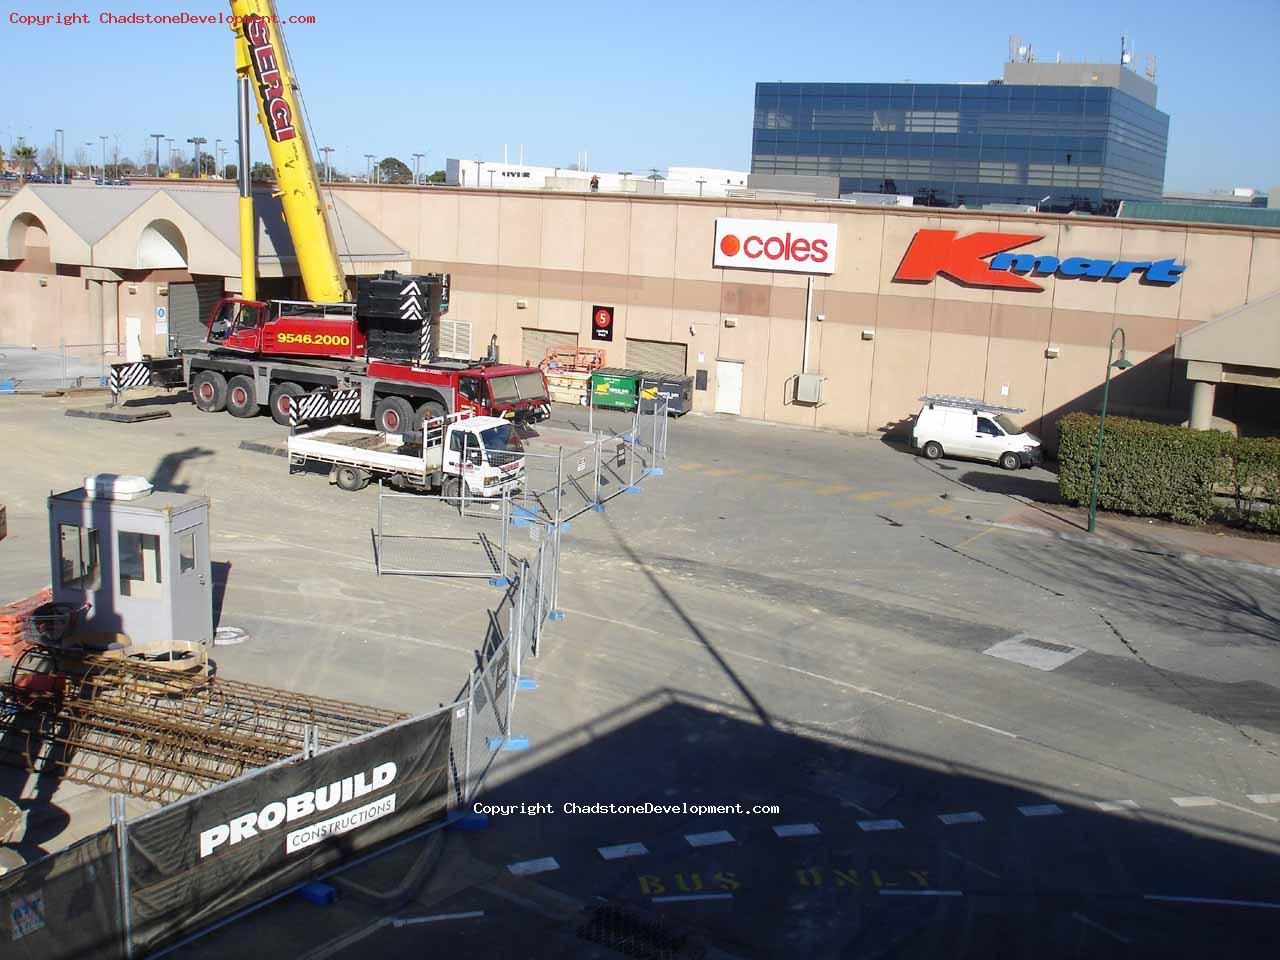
(979,741)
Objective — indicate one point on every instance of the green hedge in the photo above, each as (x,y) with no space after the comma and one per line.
(1154,470)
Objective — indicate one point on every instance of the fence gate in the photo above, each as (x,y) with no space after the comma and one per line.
(409,539)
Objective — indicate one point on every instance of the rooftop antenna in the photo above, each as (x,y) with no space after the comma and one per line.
(1126,51)
(1151,67)
(1015,45)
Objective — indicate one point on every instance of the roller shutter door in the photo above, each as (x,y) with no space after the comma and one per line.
(189,308)
(534,344)
(656,356)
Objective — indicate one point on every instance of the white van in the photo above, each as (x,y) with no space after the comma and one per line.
(963,427)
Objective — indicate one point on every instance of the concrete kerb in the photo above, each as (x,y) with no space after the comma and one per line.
(1098,541)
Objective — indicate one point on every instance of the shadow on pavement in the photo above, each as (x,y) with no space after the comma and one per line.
(1014,484)
(883,876)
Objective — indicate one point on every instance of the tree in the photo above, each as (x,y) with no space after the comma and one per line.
(391,170)
(437,177)
(208,165)
(25,156)
(262,172)
(231,171)
(49,161)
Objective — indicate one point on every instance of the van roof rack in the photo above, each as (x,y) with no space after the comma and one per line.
(968,403)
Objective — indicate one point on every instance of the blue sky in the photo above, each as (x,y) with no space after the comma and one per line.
(650,85)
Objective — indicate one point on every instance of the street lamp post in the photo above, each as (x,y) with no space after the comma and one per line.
(195,149)
(217,152)
(368,167)
(417,163)
(59,142)
(158,137)
(104,156)
(1122,364)
(169,141)
(88,154)
(328,163)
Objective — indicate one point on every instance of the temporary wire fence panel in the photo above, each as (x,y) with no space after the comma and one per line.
(66,905)
(406,545)
(195,862)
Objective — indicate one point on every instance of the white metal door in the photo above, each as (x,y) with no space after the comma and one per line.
(132,338)
(192,584)
(728,386)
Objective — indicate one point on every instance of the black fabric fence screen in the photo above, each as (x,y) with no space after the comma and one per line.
(64,905)
(202,859)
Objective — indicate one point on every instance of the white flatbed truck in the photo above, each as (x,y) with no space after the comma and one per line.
(485,453)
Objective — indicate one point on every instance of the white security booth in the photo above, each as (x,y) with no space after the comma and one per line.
(138,557)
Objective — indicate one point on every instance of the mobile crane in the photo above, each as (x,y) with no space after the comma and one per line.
(270,352)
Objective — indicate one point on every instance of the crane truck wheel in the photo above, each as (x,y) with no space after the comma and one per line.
(393,415)
(282,395)
(431,410)
(451,489)
(209,391)
(241,401)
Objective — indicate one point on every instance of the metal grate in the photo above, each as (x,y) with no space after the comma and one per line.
(1047,645)
(629,933)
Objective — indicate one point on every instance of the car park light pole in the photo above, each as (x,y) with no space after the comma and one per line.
(1121,364)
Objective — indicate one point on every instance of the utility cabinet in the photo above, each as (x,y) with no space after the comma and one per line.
(139,558)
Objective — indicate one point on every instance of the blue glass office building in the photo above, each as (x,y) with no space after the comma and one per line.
(1086,137)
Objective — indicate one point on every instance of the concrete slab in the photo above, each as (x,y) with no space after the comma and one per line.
(119,414)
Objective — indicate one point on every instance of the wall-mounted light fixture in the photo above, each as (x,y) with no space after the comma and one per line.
(44,281)
(162,291)
(1051,352)
(133,288)
(522,304)
(730,321)
(868,334)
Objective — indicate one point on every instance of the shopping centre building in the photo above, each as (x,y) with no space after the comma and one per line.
(810,313)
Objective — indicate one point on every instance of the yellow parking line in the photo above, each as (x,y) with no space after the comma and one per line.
(976,536)
(912,501)
(690,466)
(797,482)
(871,495)
(834,488)
(723,472)
(758,477)
(942,509)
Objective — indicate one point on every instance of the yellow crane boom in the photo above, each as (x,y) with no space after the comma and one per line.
(262,59)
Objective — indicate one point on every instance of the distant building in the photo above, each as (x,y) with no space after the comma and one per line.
(1239,197)
(681,181)
(1053,136)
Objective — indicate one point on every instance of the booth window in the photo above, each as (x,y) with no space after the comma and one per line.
(139,564)
(78,557)
(186,551)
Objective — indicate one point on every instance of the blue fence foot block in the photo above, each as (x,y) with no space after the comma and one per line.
(521,522)
(631,490)
(495,743)
(499,582)
(630,438)
(516,743)
(655,471)
(527,683)
(321,894)
(566,525)
(598,507)
(472,821)
(556,615)
(523,512)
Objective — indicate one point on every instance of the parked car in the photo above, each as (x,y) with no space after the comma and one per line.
(964,427)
